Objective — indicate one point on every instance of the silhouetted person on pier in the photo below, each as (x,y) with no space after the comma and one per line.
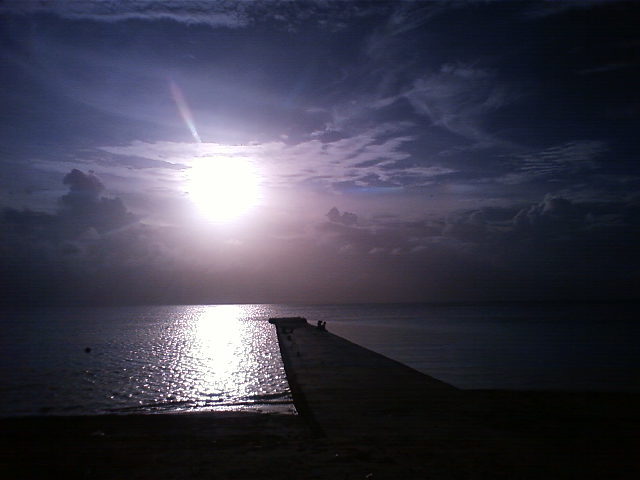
(322,326)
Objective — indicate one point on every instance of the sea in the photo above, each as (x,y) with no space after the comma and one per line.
(197,358)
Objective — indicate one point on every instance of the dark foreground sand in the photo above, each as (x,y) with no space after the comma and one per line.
(534,435)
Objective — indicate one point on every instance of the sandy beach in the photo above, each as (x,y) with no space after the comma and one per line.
(535,435)
(209,445)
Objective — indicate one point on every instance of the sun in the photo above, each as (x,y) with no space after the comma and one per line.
(223,188)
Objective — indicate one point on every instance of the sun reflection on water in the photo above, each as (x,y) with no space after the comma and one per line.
(218,349)
(173,358)
(224,355)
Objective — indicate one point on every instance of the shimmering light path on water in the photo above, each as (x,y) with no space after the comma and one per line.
(142,359)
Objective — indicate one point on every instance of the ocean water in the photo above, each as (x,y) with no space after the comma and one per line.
(522,346)
(225,357)
(141,360)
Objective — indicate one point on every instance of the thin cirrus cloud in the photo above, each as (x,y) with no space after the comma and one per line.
(559,161)
(456,98)
(213,13)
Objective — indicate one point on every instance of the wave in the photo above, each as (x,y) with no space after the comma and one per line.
(253,401)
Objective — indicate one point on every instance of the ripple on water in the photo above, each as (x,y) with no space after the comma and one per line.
(143,359)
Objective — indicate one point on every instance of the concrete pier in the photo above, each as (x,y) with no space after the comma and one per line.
(413,426)
(345,390)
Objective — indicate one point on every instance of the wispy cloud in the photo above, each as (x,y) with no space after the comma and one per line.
(608,67)
(406,17)
(365,159)
(549,8)
(330,16)
(558,161)
(456,97)
(214,13)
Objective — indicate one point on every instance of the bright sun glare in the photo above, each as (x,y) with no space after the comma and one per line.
(223,188)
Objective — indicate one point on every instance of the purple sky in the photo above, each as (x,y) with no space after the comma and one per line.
(265,152)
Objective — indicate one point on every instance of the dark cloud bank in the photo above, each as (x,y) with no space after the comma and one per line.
(92,250)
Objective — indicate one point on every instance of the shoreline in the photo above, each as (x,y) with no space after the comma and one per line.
(534,435)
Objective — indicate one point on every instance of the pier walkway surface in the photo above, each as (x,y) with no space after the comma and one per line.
(424,428)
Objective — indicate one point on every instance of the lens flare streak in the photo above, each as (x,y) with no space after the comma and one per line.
(184,110)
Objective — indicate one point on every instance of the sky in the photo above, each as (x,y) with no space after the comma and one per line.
(184,152)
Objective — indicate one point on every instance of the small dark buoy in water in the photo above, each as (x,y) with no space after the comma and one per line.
(87,350)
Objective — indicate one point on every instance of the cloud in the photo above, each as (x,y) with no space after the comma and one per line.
(331,16)
(405,18)
(546,9)
(555,247)
(456,98)
(83,207)
(371,158)
(380,236)
(467,227)
(213,13)
(345,218)
(53,257)
(559,161)
(552,215)
(82,188)
(608,67)
(80,210)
